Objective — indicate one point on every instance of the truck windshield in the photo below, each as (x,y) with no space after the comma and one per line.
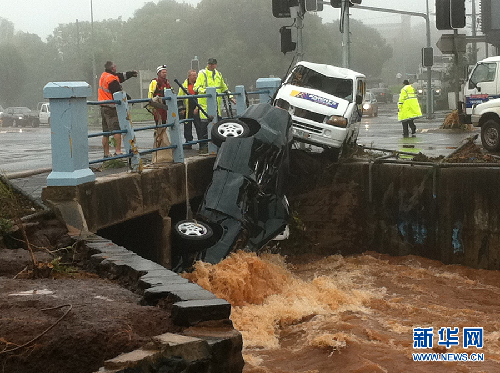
(305,77)
(484,72)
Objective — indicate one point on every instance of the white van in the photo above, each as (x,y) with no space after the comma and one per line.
(325,103)
(482,85)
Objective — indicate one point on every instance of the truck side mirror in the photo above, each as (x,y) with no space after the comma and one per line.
(359,99)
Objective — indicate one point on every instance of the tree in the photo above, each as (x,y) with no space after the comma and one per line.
(12,74)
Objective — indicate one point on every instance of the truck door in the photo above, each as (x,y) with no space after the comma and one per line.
(481,85)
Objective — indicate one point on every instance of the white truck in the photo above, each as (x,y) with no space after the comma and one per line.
(483,84)
(43,109)
(481,95)
(325,103)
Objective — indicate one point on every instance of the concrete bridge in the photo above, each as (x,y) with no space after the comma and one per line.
(444,211)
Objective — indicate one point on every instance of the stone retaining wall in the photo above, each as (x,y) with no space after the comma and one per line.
(209,344)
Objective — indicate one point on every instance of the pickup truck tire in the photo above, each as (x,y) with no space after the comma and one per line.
(35,123)
(193,235)
(228,128)
(490,135)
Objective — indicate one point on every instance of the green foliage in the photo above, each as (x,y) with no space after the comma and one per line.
(12,74)
(243,35)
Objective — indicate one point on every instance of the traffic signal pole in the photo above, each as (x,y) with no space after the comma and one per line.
(346,34)
(428,34)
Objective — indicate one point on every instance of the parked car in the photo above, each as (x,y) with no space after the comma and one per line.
(382,94)
(325,104)
(370,105)
(1,113)
(19,117)
(244,207)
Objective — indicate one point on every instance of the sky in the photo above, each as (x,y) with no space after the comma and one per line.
(41,17)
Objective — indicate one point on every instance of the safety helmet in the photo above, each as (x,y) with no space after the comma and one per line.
(160,68)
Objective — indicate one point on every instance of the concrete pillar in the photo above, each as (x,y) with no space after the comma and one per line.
(212,110)
(165,246)
(271,84)
(69,128)
(241,102)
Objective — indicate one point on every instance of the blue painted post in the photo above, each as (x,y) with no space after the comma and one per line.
(212,110)
(126,124)
(241,102)
(69,133)
(271,84)
(175,133)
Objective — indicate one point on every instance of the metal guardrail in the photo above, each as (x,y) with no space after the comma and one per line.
(70,137)
(175,145)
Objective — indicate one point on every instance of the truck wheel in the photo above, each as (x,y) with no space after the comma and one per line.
(193,235)
(35,123)
(228,128)
(490,135)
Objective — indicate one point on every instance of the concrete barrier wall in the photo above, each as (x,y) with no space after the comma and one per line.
(444,213)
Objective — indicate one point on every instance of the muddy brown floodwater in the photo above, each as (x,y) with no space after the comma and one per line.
(354,314)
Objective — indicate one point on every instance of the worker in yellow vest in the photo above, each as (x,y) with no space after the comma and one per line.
(408,107)
(208,77)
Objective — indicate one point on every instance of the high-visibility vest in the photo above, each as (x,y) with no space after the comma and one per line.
(104,93)
(408,105)
(207,78)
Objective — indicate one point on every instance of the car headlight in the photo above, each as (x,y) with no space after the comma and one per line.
(337,121)
(366,106)
(438,91)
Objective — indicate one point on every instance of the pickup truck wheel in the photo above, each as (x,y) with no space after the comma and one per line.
(490,135)
(35,123)
(228,128)
(193,235)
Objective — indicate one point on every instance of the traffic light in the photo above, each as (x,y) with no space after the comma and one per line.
(443,15)
(427,57)
(281,9)
(457,13)
(336,3)
(485,16)
(311,5)
(287,45)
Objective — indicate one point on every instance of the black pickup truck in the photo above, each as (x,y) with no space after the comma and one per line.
(19,117)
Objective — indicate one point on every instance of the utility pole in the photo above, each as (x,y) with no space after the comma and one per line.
(346,34)
(299,21)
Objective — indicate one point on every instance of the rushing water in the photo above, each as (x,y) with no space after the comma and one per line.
(353,314)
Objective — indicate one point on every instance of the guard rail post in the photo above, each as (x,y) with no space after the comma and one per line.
(176,135)
(69,131)
(212,110)
(241,102)
(271,84)
(129,145)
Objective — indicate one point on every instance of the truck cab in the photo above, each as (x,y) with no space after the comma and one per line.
(43,110)
(482,85)
(325,103)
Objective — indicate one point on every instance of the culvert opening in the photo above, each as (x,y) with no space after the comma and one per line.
(142,235)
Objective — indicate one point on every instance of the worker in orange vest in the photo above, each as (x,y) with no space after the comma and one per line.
(109,83)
